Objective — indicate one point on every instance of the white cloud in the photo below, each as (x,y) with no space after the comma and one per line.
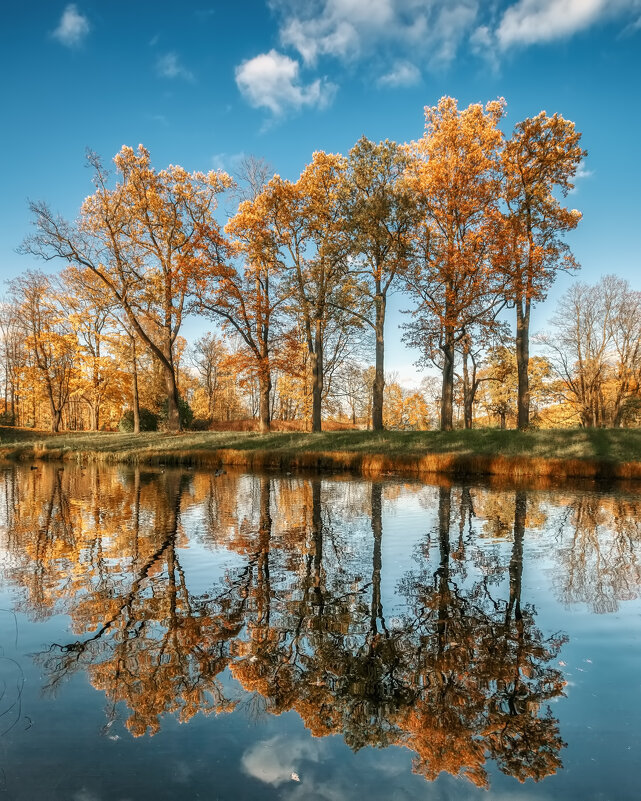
(333,27)
(228,162)
(634,26)
(483,45)
(403,73)
(433,30)
(449,27)
(169,66)
(582,172)
(271,80)
(351,29)
(394,40)
(531,21)
(72,28)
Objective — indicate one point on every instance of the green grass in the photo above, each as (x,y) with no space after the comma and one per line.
(607,445)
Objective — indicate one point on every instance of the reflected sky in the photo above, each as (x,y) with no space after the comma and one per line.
(167,631)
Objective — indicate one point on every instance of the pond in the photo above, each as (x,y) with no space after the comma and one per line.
(171,633)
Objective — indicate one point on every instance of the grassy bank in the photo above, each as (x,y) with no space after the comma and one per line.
(596,453)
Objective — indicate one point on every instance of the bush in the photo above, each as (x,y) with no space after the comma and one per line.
(148,421)
(184,411)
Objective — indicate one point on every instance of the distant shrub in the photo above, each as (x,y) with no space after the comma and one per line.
(200,424)
(631,412)
(148,421)
(7,419)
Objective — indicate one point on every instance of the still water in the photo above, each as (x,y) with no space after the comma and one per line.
(174,634)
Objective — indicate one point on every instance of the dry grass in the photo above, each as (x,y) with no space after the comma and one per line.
(545,455)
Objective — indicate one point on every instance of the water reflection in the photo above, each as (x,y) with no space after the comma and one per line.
(456,668)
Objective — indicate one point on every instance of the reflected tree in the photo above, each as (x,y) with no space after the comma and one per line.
(483,668)
(600,552)
(461,677)
(151,643)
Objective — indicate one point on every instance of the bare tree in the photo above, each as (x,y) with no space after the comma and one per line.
(595,349)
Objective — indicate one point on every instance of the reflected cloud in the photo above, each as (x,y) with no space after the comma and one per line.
(278,760)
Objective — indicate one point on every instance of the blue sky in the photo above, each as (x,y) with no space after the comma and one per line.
(202,84)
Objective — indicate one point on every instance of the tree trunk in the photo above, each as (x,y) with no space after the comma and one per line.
(317,545)
(263,585)
(265,525)
(56,412)
(265,388)
(378,387)
(134,388)
(173,414)
(442,574)
(95,415)
(56,419)
(522,363)
(376,612)
(516,562)
(468,393)
(447,393)
(317,378)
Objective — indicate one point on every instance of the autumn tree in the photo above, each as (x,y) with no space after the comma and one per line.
(404,408)
(88,311)
(207,354)
(539,160)
(476,344)
(220,392)
(126,349)
(455,174)
(311,234)
(381,212)
(245,297)
(498,384)
(13,356)
(48,338)
(139,239)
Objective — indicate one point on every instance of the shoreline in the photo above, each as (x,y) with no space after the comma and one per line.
(600,455)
